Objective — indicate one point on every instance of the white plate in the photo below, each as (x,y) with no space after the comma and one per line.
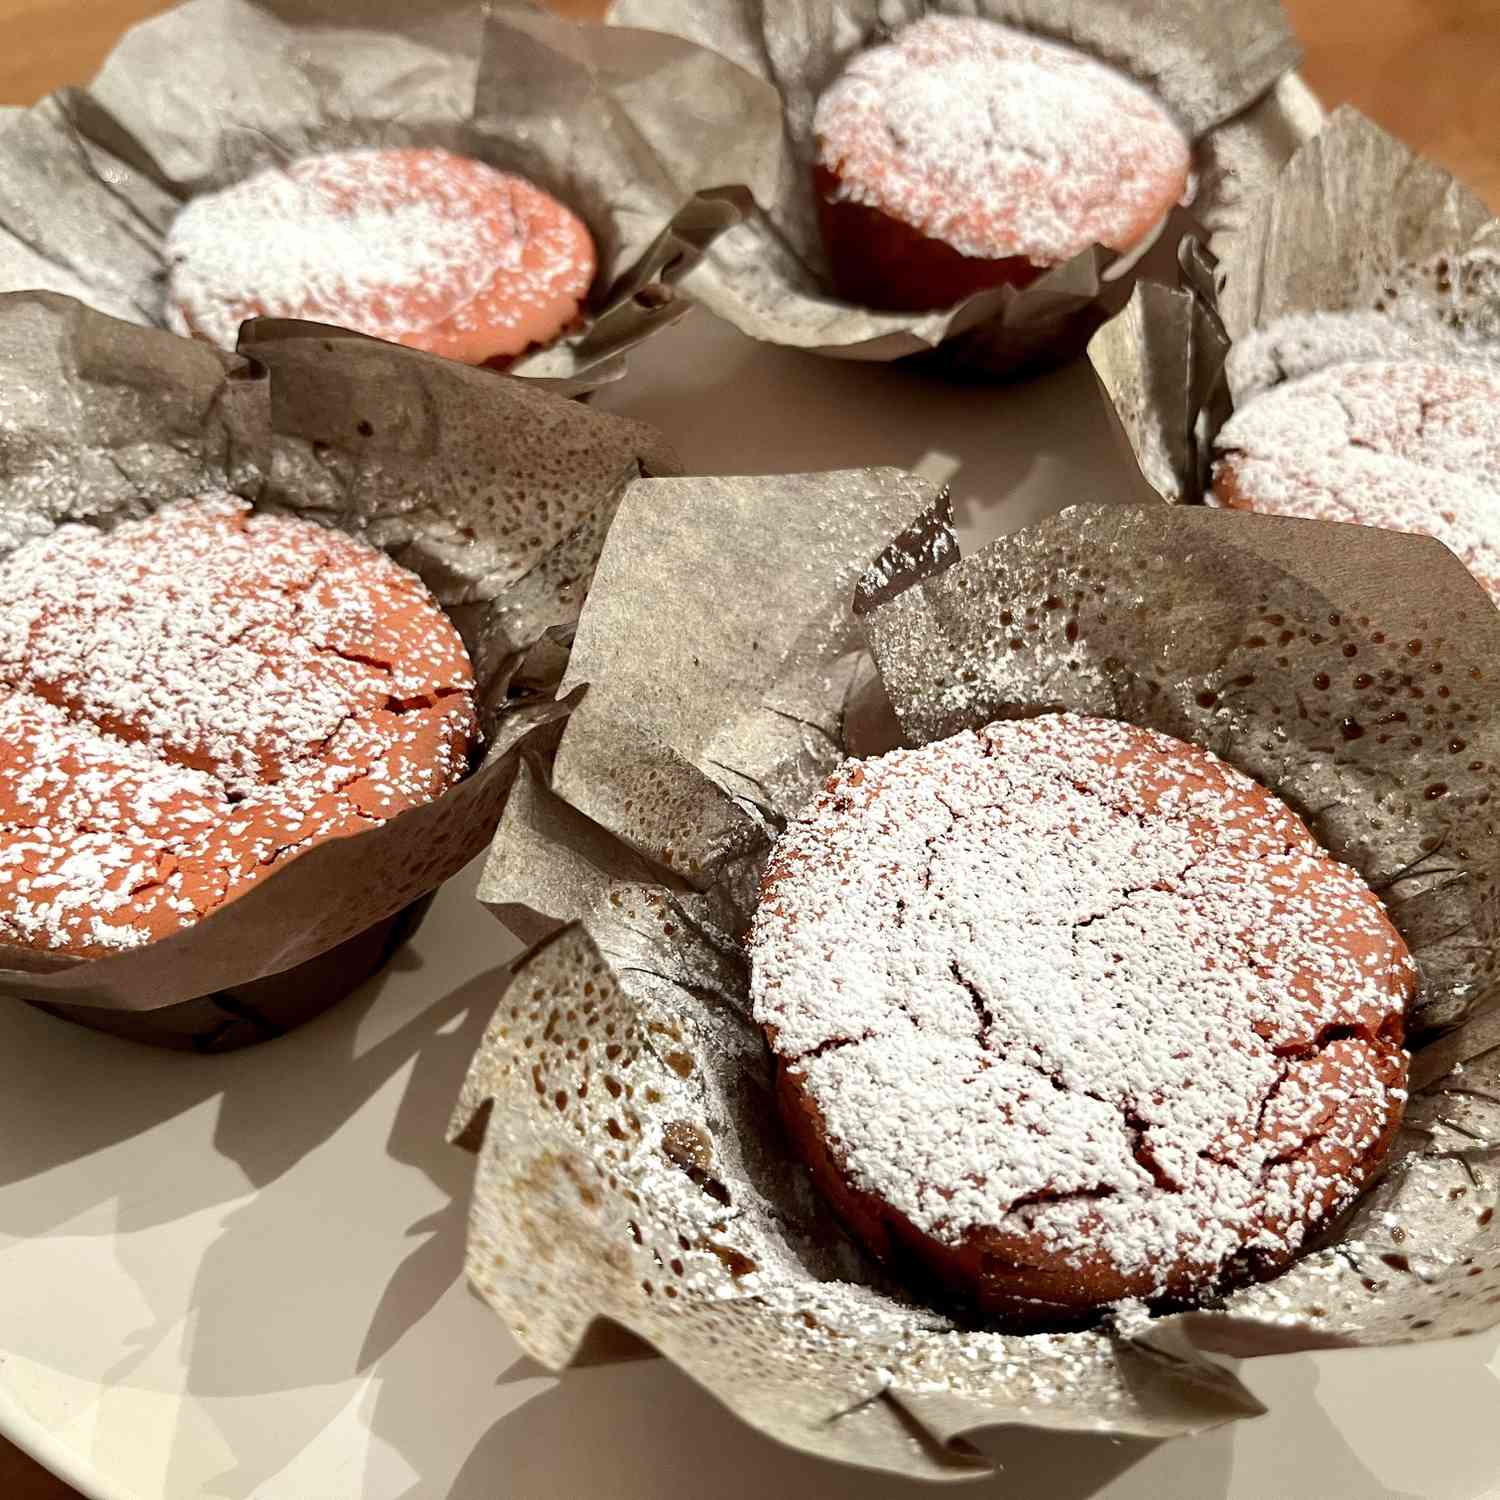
(240,1276)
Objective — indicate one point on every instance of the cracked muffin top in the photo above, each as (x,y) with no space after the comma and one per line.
(1066,1011)
(189,700)
(1399,444)
(410,244)
(964,153)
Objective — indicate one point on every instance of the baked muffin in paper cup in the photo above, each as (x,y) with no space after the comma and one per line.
(215,90)
(1225,74)
(495,493)
(1360,249)
(632,1171)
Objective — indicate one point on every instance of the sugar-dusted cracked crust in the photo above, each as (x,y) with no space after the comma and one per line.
(191,699)
(1401,444)
(417,246)
(1066,1011)
(965,154)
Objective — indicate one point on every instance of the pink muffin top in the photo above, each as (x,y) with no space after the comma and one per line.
(420,247)
(1085,997)
(1404,445)
(1000,144)
(194,698)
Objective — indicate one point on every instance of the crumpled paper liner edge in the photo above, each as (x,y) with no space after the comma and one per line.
(1284,109)
(156,975)
(636,300)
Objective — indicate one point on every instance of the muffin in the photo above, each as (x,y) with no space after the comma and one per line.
(416,246)
(1406,445)
(191,700)
(1066,1012)
(964,154)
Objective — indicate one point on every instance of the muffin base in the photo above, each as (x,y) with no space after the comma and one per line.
(262,1010)
(877,261)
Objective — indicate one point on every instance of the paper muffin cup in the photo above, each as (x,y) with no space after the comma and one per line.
(215,90)
(1358,249)
(1225,74)
(495,493)
(632,1171)
(262,1010)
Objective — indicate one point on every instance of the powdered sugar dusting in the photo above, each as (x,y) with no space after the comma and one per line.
(420,247)
(1076,992)
(190,698)
(1403,444)
(1304,343)
(1001,144)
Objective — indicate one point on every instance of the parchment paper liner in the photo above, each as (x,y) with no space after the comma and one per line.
(216,89)
(496,493)
(1356,223)
(1224,71)
(630,1165)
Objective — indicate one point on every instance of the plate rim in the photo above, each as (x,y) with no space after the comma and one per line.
(23,1431)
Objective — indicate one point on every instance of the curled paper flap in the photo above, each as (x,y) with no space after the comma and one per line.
(1346,668)
(1161,363)
(1235,631)
(1352,210)
(103,420)
(201,420)
(498,496)
(214,90)
(924,549)
(1360,249)
(729,709)
(768,276)
(539,833)
(1143,359)
(1239,160)
(630,1164)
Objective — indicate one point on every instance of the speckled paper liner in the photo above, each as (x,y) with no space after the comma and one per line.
(1349,670)
(631,1166)
(1355,224)
(1225,72)
(214,90)
(499,499)
(495,493)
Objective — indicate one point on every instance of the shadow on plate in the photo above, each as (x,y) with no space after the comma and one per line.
(647,1430)
(258,1344)
(1014,452)
(338,1126)
(642,1431)
(84,1100)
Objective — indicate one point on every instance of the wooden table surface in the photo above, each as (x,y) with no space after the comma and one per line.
(1424,69)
